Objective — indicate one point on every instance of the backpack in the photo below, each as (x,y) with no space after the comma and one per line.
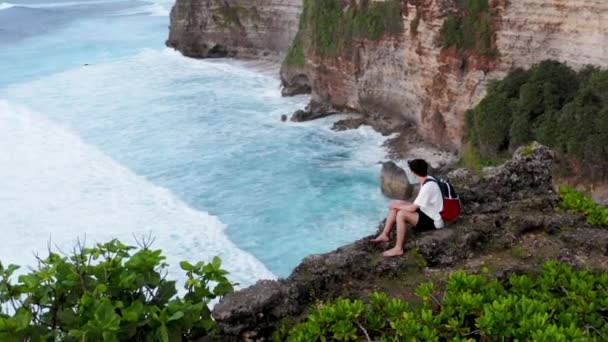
(451,201)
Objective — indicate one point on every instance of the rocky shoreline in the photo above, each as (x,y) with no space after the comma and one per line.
(509,224)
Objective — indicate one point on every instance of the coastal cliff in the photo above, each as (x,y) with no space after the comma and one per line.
(419,61)
(234,28)
(418,74)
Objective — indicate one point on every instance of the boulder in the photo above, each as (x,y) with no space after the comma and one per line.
(394,182)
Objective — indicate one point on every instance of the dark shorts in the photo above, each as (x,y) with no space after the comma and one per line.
(424,222)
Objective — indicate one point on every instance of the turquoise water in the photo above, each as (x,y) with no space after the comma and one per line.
(106,133)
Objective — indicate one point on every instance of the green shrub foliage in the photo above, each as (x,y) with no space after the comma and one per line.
(295,54)
(470,28)
(559,304)
(328,27)
(551,103)
(111,292)
(571,199)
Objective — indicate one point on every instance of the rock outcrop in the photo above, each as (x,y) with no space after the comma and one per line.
(234,28)
(509,205)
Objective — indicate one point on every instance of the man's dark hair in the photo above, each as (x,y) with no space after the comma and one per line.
(419,167)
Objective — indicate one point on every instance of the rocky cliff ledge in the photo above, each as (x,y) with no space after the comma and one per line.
(234,28)
(509,225)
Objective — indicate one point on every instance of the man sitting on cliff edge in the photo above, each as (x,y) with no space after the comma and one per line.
(424,214)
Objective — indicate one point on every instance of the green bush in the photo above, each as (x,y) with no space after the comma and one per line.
(111,292)
(551,103)
(230,15)
(571,199)
(560,304)
(492,119)
(295,54)
(470,28)
(327,27)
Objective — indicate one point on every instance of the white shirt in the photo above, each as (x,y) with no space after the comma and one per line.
(430,201)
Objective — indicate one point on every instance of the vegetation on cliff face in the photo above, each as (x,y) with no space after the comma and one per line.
(230,15)
(327,27)
(551,103)
(295,55)
(571,199)
(470,28)
(559,304)
(108,293)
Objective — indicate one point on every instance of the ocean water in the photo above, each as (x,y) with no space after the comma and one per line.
(106,133)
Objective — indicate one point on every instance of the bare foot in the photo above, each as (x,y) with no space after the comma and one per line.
(380,238)
(393,252)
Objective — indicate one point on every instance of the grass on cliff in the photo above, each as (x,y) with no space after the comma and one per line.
(471,158)
(559,304)
(470,28)
(295,55)
(230,15)
(571,199)
(550,103)
(327,27)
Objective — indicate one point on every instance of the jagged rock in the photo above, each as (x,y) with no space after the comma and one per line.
(297,85)
(283,117)
(394,182)
(313,111)
(526,176)
(520,200)
(299,116)
(587,238)
(346,124)
(260,302)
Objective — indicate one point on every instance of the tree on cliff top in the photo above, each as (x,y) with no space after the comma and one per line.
(551,103)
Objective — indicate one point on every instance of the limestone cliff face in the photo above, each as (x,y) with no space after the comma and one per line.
(409,74)
(233,28)
(572,31)
(405,74)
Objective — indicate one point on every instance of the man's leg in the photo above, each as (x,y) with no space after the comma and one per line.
(388,226)
(390,220)
(403,218)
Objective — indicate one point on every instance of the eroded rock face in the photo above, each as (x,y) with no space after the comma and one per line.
(234,28)
(516,198)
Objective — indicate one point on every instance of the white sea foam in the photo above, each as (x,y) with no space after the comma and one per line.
(54,186)
(131,109)
(6,5)
(62,4)
(159,8)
